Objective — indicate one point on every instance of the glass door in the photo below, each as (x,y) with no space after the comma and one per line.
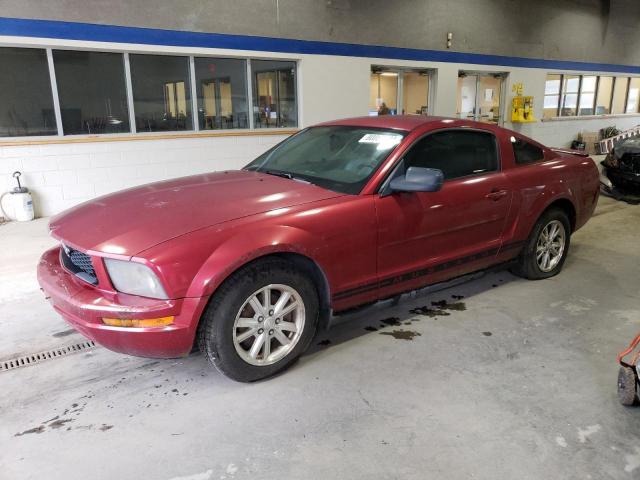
(480,96)
(415,92)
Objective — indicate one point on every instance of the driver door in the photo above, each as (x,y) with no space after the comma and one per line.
(428,237)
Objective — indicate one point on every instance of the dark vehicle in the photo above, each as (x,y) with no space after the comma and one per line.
(622,165)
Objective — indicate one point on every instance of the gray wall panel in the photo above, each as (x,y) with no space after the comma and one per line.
(604,31)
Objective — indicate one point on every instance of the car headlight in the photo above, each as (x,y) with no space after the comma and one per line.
(134,278)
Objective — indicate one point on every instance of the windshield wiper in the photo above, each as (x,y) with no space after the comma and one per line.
(279,174)
(286,175)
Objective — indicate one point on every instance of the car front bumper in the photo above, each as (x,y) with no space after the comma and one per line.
(83,306)
(623,179)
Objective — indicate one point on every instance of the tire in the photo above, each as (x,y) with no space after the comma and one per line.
(233,314)
(528,264)
(627,386)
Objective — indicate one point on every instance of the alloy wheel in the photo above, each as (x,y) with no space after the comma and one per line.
(550,246)
(269,324)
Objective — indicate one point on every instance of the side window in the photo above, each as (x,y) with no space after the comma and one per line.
(526,153)
(458,153)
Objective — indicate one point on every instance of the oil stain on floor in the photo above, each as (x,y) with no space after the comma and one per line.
(390,322)
(402,334)
(440,308)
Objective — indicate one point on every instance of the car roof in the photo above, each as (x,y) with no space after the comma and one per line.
(400,122)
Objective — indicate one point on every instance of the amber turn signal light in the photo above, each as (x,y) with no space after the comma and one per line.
(138,322)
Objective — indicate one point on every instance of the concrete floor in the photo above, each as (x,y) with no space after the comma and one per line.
(521,384)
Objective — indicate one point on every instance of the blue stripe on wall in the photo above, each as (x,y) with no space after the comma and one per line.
(149,36)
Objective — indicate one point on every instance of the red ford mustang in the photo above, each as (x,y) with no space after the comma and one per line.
(250,263)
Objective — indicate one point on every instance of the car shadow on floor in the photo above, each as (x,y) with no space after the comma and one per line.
(394,317)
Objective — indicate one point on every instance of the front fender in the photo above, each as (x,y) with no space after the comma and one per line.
(245,247)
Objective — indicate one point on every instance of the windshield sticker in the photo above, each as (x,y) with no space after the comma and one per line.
(383,141)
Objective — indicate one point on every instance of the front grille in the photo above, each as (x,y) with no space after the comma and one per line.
(79,264)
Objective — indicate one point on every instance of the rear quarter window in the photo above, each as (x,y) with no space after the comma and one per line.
(525,152)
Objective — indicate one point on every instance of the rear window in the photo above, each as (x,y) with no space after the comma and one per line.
(525,152)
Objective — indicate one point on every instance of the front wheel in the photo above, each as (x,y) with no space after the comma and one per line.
(260,320)
(546,249)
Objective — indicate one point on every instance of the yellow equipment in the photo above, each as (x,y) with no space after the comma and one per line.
(521,106)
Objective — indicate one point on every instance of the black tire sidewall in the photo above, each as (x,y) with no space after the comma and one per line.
(627,388)
(529,266)
(216,339)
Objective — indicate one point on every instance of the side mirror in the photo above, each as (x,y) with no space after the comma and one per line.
(418,179)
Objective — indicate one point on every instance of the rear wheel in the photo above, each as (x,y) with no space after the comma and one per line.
(259,321)
(546,249)
(627,386)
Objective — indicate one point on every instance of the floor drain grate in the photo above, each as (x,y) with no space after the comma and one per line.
(27,360)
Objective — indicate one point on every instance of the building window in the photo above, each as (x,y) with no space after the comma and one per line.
(587,95)
(103,92)
(633,95)
(274,94)
(619,95)
(397,90)
(26,101)
(161,92)
(571,95)
(551,96)
(221,89)
(384,93)
(98,104)
(570,89)
(603,99)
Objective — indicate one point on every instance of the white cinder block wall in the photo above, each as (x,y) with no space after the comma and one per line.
(63,175)
(76,169)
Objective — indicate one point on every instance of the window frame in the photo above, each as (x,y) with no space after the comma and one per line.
(252,87)
(626,98)
(563,94)
(124,81)
(247,93)
(384,189)
(166,81)
(195,131)
(595,95)
(558,94)
(55,106)
(430,72)
(610,104)
(598,76)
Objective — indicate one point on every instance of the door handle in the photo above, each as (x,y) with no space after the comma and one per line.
(496,194)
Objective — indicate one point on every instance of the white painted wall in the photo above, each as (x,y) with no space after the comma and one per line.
(62,175)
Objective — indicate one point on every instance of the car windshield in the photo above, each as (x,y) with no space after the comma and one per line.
(339,158)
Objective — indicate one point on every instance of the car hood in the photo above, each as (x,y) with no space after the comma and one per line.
(139,218)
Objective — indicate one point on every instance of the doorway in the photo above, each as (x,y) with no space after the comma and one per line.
(399,91)
(218,105)
(480,96)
